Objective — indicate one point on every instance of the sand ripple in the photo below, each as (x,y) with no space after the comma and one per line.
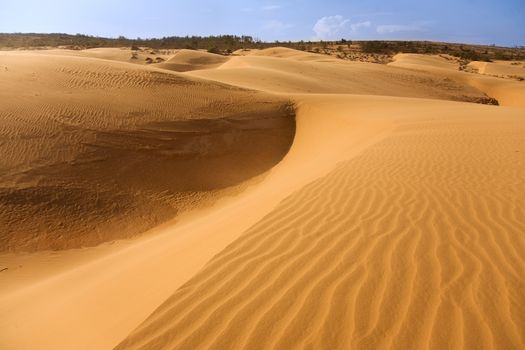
(415,243)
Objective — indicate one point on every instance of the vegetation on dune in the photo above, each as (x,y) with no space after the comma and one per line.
(463,51)
(79,41)
(214,50)
(226,44)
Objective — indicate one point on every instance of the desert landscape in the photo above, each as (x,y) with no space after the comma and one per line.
(263,198)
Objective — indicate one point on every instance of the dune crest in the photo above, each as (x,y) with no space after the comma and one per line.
(392,249)
(188,60)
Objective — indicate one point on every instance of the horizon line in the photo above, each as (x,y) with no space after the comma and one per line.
(258,40)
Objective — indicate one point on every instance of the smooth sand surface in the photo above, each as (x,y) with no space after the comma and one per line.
(508,92)
(188,60)
(393,221)
(504,69)
(121,54)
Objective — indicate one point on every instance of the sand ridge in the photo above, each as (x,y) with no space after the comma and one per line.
(188,60)
(404,254)
(146,262)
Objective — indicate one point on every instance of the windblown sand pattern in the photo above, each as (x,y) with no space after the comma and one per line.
(415,243)
(88,145)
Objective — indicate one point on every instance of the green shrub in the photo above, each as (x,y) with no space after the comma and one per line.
(214,50)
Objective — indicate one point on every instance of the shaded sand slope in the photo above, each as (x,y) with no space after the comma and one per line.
(414,243)
(107,293)
(508,92)
(300,73)
(95,150)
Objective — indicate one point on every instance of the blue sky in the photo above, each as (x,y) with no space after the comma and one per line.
(470,21)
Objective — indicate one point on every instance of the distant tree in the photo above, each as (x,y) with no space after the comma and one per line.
(500,56)
(227,43)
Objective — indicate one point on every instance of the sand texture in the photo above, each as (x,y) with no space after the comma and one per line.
(81,167)
(358,206)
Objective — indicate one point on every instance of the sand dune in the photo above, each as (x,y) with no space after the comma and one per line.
(392,221)
(500,69)
(298,73)
(414,243)
(120,54)
(136,273)
(508,92)
(187,60)
(80,167)
(284,52)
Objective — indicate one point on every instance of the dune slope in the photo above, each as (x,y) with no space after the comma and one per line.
(80,167)
(508,92)
(414,243)
(503,69)
(188,60)
(291,71)
(108,291)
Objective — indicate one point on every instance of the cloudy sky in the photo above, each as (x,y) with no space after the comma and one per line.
(499,22)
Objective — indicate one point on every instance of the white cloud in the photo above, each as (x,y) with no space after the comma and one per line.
(356,26)
(329,26)
(271,7)
(396,28)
